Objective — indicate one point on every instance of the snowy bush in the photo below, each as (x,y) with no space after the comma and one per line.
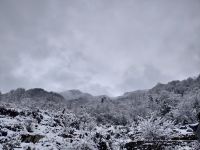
(154,128)
(85,144)
(69,120)
(187,109)
(87,122)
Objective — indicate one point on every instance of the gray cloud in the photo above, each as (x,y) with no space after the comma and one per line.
(102,47)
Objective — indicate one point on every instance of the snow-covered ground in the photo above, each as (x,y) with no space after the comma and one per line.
(44,130)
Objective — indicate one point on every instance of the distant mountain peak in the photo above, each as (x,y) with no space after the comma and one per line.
(74,94)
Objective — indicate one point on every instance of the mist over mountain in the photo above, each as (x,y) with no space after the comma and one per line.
(75,94)
(20,95)
(36,118)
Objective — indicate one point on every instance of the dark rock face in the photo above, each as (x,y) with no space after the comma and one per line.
(15,128)
(133,145)
(8,112)
(183,127)
(3,133)
(27,138)
(66,135)
(102,146)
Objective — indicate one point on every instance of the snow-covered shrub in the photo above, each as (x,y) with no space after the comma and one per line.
(69,120)
(187,109)
(84,144)
(184,113)
(154,128)
(87,122)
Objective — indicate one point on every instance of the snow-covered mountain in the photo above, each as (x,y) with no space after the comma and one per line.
(75,94)
(38,98)
(158,118)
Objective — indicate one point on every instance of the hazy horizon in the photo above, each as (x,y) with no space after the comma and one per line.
(98,94)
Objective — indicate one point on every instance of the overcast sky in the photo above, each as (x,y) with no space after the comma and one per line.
(98,46)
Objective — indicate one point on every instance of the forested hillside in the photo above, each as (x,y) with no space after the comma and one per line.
(39,119)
